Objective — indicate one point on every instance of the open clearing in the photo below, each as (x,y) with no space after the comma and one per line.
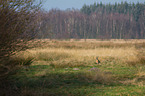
(68,68)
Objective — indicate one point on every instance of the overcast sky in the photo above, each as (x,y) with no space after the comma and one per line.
(77,4)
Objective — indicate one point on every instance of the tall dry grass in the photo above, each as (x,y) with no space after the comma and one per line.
(79,53)
(77,57)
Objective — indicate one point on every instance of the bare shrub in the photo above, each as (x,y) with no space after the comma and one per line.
(18,23)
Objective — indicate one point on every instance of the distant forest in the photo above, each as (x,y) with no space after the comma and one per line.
(96,21)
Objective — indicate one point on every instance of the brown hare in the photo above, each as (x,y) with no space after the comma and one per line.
(97,60)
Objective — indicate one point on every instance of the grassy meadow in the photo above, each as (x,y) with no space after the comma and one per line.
(68,68)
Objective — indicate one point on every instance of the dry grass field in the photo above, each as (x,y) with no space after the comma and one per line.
(68,68)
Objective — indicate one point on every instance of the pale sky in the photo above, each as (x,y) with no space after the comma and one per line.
(77,4)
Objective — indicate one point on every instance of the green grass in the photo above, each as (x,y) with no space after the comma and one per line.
(41,80)
(73,72)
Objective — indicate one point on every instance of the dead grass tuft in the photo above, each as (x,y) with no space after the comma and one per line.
(98,76)
(139,59)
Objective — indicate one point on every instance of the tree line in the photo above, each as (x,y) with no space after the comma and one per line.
(96,21)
